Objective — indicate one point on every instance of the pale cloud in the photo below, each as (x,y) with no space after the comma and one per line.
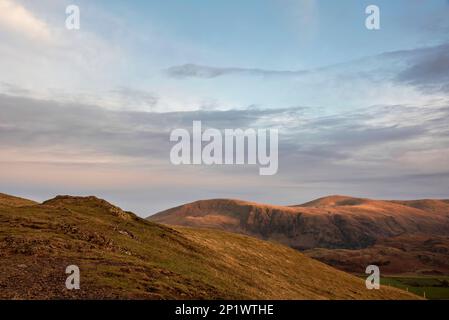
(17,19)
(42,59)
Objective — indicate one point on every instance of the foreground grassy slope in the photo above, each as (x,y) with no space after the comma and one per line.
(123,256)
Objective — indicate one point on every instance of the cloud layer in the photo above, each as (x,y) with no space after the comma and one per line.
(369,149)
(426,68)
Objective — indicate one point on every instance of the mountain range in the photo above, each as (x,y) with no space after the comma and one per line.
(346,232)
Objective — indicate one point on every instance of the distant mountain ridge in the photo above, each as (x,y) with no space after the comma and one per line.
(342,231)
(330,222)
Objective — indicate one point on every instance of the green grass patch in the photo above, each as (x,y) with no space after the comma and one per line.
(434,287)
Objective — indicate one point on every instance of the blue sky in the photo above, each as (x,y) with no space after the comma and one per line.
(130,44)
(360,112)
(285,34)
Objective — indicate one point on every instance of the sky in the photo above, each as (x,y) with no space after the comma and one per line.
(89,112)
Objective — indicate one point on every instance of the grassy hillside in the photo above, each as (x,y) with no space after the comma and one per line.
(11,201)
(123,256)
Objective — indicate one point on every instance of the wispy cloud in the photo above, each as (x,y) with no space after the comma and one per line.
(427,69)
(199,71)
(405,77)
(421,65)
